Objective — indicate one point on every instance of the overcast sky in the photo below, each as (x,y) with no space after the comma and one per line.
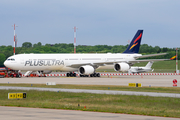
(99,22)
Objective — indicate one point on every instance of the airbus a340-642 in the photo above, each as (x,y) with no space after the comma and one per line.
(85,64)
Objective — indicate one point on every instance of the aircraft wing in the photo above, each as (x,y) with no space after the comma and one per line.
(78,65)
(150,55)
(95,64)
(112,62)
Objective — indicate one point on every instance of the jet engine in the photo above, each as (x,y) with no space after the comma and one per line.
(45,71)
(86,70)
(121,67)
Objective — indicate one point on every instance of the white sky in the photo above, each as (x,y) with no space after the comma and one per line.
(99,22)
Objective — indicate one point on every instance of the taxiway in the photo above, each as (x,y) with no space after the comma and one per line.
(156,81)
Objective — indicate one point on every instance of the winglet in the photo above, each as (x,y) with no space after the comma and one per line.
(173,57)
(135,43)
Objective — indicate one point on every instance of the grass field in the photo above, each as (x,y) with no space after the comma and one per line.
(102,87)
(142,105)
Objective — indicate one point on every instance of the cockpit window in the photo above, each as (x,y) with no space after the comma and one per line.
(11,59)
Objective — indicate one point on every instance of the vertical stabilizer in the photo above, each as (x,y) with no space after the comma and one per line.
(149,64)
(135,43)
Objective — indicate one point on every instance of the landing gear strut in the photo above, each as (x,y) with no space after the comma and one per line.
(70,74)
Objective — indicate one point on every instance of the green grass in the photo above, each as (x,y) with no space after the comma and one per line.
(142,105)
(102,87)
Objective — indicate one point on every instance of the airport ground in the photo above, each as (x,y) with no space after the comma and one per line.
(21,113)
(148,81)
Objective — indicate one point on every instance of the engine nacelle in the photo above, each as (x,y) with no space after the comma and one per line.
(121,67)
(86,70)
(45,71)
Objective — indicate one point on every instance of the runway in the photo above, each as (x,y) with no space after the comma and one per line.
(20,113)
(161,81)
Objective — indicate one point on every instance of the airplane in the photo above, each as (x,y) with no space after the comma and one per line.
(141,69)
(85,64)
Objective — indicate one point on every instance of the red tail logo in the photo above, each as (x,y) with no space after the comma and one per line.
(136,41)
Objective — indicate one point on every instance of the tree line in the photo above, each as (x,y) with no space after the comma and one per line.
(28,47)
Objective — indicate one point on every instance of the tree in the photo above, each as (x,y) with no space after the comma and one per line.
(39,44)
(27,45)
(2,59)
(165,49)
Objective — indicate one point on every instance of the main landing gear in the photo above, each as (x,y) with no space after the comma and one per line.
(74,75)
(91,75)
(70,74)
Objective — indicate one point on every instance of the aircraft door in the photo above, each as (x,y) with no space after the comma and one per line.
(22,60)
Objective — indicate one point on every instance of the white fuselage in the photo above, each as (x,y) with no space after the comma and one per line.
(142,69)
(33,62)
(139,69)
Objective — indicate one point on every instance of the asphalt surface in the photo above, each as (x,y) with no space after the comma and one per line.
(161,81)
(19,113)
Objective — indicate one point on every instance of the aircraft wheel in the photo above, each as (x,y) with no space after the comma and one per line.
(95,75)
(98,75)
(74,74)
(67,75)
(71,74)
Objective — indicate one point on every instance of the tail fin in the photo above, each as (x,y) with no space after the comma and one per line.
(149,64)
(135,43)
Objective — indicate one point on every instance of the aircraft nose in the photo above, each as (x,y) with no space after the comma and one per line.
(6,64)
